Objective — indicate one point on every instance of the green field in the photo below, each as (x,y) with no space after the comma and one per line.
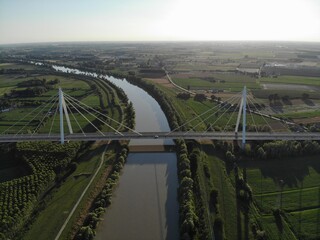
(26,119)
(18,66)
(315,81)
(300,199)
(63,198)
(55,200)
(228,85)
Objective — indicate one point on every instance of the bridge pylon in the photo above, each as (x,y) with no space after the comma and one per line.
(63,109)
(243,111)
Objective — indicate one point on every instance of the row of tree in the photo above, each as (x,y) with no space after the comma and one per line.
(19,197)
(283,149)
(87,231)
(187,214)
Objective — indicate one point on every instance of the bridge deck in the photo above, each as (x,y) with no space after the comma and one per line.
(250,136)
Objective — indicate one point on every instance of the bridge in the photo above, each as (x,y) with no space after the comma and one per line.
(66,105)
(250,136)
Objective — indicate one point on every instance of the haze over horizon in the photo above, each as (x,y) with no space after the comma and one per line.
(153,20)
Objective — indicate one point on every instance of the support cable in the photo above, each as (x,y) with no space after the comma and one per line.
(121,124)
(225,127)
(39,125)
(254,123)
(34,117)
(284,123)
(249,100)
(231,105)
(218,105)
(76,120)
(26,115)
(96,117)
(85,117)
(54,117)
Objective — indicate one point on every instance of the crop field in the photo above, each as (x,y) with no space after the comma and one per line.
(54,215)
(27,119)
(314,81)
(190,109)
(30,105)
(299,197)
(18,66)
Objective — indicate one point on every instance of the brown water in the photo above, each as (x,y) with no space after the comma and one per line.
(145,204)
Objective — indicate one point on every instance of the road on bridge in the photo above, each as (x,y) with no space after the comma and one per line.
(250,136)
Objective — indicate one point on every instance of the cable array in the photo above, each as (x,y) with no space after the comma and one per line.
(48,111)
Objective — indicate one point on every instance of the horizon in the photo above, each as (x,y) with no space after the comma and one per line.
(37,21)
(161,41)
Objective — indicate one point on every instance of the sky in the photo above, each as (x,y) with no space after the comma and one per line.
(24,21)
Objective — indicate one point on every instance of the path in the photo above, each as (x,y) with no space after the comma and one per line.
(82,195)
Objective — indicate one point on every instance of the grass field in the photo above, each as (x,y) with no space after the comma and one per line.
(30,117)
(292,80)
(300,198)
(25,116)
(228,85)
(227,198)
(18,66)
(64,197)
(300,194)
(306,224)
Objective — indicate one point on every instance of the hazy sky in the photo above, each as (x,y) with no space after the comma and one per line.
(157,20)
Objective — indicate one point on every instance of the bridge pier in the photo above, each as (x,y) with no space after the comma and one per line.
(243,111)
(61,116)
(244,116)
(63,109)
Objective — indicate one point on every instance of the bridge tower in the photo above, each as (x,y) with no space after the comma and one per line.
(243,111)
(63,109)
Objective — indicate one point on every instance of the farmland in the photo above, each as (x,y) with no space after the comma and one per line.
(298,197)
(225,191)
(32,173)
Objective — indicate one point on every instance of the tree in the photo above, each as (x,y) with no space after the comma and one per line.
(305,96)
(86,233)
(200,97)
(261,153)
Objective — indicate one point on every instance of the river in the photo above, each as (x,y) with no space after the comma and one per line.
(145,203)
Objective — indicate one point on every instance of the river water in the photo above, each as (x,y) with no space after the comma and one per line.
(145,203)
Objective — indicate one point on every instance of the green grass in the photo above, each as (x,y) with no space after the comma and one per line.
(71,86)
(275,231)
(226,196)
(264,176)
(5,90)
(63,199)
(197,83)
(292,200)
(301,115)
(306,223)
(18,66)
(8,80)
(91,100)
(292,80)
(264,93)
(300,195)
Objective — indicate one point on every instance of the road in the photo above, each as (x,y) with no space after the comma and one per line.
(250,136)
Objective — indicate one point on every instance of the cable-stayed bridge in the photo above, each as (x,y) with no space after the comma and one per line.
(68,110)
